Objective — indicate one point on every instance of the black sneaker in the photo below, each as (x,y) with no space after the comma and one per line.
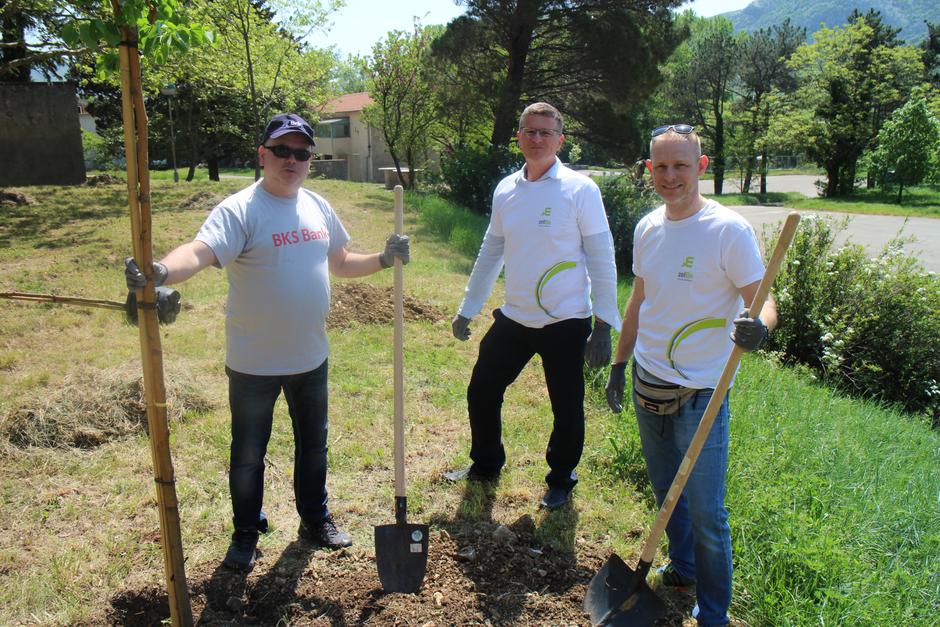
(324,533)
(555,498)
(471,474)
(669,576)
(241,552)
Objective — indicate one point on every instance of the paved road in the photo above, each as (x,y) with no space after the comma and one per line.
(871,231)
(802,183)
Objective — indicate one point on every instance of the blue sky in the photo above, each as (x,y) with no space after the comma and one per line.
(363,22)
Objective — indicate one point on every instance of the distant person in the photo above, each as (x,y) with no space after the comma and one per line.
(697,264)
(278,242)
(549,228)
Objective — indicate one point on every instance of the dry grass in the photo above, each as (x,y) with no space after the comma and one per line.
(88,409)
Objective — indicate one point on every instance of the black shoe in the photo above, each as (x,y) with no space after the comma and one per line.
(324,533)
(241,552)
(555,498)
(471,474)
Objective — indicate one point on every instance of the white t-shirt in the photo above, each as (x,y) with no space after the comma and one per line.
(543,223)
(275,253)
(692,270)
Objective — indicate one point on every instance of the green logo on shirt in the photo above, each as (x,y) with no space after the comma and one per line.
(689,261)
(546,218)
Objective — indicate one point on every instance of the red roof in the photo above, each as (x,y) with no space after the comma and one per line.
(348,103)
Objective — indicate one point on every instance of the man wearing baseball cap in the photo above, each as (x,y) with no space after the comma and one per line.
(278,242)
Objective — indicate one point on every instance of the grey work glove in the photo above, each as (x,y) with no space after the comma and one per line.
(749,333)
(461,327)
(616,381)
(597,350)
(168,305)
(136,279)
(395,246)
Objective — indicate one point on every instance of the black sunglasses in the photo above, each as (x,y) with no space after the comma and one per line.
(682,129)
(283,152)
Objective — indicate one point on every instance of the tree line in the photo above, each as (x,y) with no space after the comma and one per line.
(614,68)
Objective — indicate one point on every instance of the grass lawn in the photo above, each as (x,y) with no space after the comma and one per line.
(833,501)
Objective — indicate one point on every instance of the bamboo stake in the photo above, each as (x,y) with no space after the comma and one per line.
(138,196)
(62,300)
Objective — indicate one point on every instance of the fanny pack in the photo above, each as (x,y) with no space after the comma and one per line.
(658,396)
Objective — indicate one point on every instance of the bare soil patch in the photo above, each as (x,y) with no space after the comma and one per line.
(367,304)
(204,200)
(103,179)
(474,578)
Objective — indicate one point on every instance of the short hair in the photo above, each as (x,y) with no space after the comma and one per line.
(543,108)
(671,134)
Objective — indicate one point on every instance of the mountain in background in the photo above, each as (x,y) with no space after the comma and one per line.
(909,15)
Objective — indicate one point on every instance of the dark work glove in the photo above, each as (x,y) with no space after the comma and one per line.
(168,305)
(395,246)
(136,279)
(749,333)
(461,327)
(597,350)
(616,381)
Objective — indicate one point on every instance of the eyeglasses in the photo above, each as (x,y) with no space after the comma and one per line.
(544,133)
(283,152)
(682,129)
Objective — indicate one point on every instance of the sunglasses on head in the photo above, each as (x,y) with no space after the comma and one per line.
(283,152)
(682,129)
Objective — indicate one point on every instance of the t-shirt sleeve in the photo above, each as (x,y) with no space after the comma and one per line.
(592,219)
(637,240)
(225,232)
(339,236)
(742,258)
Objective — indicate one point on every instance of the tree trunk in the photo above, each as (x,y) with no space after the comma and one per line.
(213,164)
(748,173)
(193,154)
(519,40)
(763,172)
(900,189)
(832,179)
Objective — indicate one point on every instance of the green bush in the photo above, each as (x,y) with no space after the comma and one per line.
(472,172)
(868,326)
(626,202)
(98,153)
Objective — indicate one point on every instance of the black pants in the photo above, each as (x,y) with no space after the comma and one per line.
(504,351)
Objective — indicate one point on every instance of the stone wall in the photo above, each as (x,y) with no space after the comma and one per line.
(40,135)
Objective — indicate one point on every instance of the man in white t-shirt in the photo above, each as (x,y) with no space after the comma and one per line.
(548,227)
(697,264)
(278,243)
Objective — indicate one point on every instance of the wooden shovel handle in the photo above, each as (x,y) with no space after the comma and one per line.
(399,353)
(724,382)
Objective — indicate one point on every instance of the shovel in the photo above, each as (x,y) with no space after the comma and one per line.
(401,549)
(619,595)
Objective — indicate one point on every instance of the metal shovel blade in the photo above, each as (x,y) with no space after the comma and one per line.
(401,554)
(619,596)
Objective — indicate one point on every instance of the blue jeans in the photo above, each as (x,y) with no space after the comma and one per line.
(252,398)
(698,532)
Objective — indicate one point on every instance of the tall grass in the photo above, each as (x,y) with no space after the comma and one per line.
(833,504)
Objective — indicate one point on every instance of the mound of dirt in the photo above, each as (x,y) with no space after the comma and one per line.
(103,179)
(14,198)
(88,409)
(202,200)
(479,574)
(367,304)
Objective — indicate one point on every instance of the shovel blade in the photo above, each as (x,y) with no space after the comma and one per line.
(617,595)
(401,554)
